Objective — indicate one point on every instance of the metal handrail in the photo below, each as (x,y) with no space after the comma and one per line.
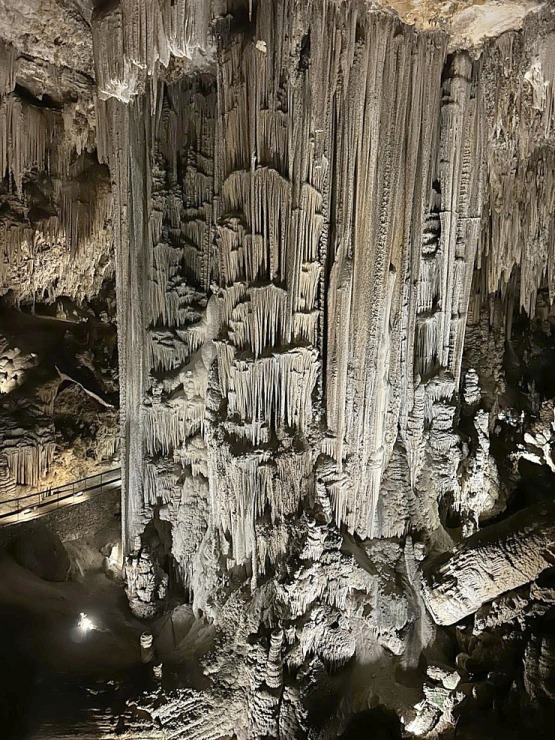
(51,496)
(63,487)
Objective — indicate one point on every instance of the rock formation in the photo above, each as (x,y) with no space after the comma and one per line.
(334,255)
(57,270)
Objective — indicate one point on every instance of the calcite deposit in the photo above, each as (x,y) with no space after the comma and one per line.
(331,230)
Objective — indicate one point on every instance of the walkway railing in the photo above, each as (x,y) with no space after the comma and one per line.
(37,504)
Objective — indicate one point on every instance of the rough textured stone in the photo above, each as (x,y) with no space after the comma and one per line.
(43,554)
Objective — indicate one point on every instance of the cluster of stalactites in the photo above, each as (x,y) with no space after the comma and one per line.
(30,463)
(27,134)
(65,255)
(146,35)
(36,136)
(27,453)
(291,286)
(397,311)
(346,223)
(518,227)
(38,257)
(162,170)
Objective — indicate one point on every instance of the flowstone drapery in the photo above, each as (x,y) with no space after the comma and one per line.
(303,247)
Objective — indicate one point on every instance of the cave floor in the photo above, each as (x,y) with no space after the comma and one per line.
(52,671)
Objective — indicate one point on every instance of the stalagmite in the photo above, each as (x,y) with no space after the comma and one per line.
(146,590)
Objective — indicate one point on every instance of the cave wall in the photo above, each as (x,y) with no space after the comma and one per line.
(57,314)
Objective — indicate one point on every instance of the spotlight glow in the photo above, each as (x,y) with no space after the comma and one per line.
(85,624)
(114,560)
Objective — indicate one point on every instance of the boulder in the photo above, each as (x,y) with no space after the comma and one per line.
(43,553)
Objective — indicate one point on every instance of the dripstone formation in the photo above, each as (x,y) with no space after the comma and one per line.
(333,228)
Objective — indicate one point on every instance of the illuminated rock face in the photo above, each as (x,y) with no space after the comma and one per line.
(301,228)
(490,563)
(302,245)
(56,249)
(323,220)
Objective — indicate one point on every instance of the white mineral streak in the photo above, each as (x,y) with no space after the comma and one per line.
(498,559)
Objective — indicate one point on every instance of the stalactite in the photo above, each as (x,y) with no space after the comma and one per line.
(36,137)
(27,135)
(8,68)
(28,447)
(147,34)
(519,230)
